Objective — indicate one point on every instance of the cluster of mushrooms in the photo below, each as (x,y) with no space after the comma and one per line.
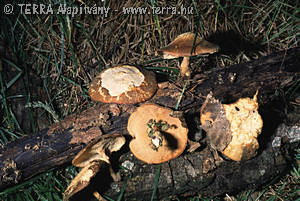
(158,135)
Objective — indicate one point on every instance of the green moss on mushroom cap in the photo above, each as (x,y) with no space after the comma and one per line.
(123,85)
(146,146)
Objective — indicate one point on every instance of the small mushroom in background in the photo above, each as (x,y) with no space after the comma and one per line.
(91,158)
(184,46)
(157,136)
(233,128)
(123,85)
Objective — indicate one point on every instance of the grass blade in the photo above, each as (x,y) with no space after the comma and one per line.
(156,182)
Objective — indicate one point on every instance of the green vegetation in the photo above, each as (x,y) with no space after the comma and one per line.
(51,58)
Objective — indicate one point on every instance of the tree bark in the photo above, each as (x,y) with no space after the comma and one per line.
(202,173)
(191,172)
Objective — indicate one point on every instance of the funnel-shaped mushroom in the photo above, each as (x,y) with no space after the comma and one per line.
(157,136)
(123,85)
(232,128)
(91,158)
(184,46)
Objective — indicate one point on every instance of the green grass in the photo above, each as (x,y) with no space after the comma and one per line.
(65,53)
(47,186)
(155,186)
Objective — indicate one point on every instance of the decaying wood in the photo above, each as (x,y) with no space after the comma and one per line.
(190,173)
(201,173)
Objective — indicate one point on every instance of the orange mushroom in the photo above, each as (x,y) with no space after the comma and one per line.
(184,46)
(123,85)
(232,128)
(157,136)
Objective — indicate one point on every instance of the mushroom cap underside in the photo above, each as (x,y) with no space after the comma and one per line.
(174,139)
(232,128)
(98,149)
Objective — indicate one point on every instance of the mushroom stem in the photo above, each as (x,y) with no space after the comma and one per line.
(184,67)
(155,131)
(156,140)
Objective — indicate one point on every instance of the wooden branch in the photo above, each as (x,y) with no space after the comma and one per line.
(190,173)
(202,173)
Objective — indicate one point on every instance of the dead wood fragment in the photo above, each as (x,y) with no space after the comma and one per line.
(192,172)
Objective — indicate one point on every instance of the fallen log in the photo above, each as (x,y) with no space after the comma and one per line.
(203,174)
(191,172)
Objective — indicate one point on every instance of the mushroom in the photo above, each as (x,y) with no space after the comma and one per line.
(123,85)
(91,158)
(184,46)
(232,128)
(157,136)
